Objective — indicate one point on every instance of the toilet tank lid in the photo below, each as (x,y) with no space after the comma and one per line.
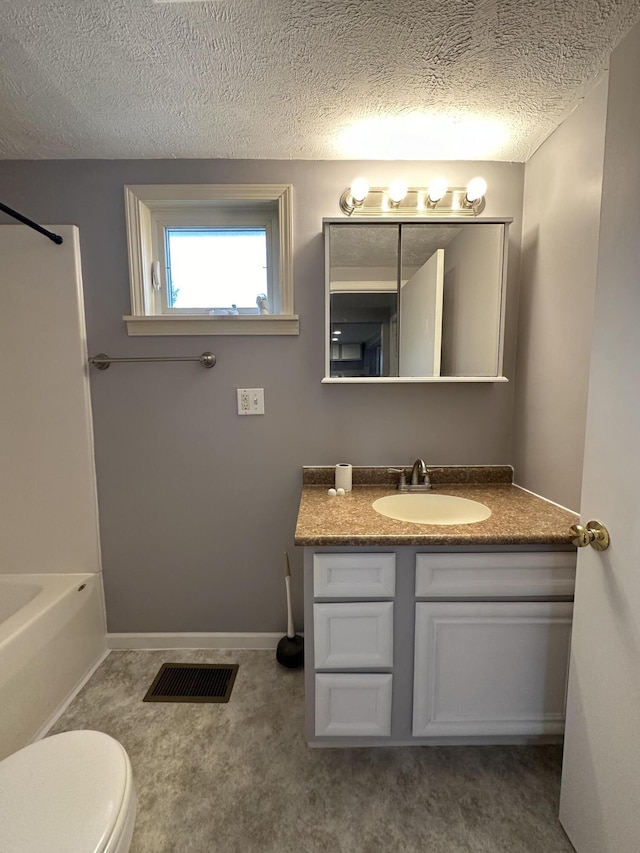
(64,794)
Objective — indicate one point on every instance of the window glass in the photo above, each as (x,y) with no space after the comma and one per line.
(216,267)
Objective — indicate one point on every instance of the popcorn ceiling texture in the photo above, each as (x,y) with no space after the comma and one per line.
(284,78)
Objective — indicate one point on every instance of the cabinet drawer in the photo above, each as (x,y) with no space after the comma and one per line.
(349,704)
(354,575)
(495,575)
(352,636)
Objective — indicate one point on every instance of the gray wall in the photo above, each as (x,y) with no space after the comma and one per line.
(561,218)
(196,504)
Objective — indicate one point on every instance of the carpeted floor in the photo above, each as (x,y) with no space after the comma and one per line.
(239,777)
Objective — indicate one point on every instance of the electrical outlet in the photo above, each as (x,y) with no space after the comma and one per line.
(250,401)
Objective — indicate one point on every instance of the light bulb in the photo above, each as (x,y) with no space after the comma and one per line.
(359,190)
(476,188)
(398,190)
(436,189)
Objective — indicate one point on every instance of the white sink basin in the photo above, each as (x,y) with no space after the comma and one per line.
(432,509)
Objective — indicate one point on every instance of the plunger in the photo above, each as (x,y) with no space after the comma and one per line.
(290,650)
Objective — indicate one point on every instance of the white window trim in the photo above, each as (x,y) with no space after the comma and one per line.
(141,201)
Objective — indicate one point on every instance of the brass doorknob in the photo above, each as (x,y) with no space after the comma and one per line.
(594,534)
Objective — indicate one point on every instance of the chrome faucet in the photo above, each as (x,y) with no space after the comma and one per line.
(416,485)
(419,470)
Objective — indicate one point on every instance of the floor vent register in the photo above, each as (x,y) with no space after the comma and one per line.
(193,682)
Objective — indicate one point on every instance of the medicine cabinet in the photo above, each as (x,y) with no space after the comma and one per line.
(411,301)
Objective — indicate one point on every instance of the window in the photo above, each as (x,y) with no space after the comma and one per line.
(210,259)
(216,269)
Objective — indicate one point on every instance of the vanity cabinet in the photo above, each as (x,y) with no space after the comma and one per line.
(436,645)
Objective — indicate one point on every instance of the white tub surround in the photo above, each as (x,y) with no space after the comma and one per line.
(50,643)
(48,500)
(16,594)
(52,634)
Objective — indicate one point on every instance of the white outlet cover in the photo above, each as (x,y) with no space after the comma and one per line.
(250,401)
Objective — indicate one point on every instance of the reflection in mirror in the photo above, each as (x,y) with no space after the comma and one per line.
(415,299)
(363,287)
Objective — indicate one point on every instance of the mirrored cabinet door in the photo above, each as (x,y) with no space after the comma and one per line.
(363,298)
(409,300)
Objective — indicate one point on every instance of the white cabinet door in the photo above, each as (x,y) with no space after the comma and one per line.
(353,635)
(350,704)
(490,668)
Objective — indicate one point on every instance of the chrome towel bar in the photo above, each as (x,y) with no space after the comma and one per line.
(102,361)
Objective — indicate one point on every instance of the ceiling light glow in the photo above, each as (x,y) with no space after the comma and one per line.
(422,136)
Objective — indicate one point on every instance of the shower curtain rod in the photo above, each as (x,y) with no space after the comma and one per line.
(55,237)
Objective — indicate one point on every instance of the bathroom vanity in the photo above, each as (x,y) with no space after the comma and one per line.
(425,634)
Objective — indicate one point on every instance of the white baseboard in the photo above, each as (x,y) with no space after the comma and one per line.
(193,641)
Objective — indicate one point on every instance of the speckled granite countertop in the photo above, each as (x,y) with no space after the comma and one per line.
(517,517)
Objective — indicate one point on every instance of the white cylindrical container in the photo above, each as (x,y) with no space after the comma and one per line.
(343,476)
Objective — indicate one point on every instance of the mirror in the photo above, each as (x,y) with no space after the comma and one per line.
(409,300)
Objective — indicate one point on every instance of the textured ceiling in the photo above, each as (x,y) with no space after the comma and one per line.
(304,79)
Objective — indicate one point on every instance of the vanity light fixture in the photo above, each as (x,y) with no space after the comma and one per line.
(476,188)
(434,198)
(398,190)
(435,191)
(359,190)
(354,197)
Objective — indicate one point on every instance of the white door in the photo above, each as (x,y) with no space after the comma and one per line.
(600,800)
(421,319)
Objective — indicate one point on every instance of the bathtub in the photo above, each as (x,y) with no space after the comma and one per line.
(52,636)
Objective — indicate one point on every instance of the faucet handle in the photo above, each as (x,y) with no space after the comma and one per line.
(403,476)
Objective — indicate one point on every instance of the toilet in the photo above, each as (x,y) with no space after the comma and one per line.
(69,793)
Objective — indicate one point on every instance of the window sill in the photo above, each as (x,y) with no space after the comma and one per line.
(204,324)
